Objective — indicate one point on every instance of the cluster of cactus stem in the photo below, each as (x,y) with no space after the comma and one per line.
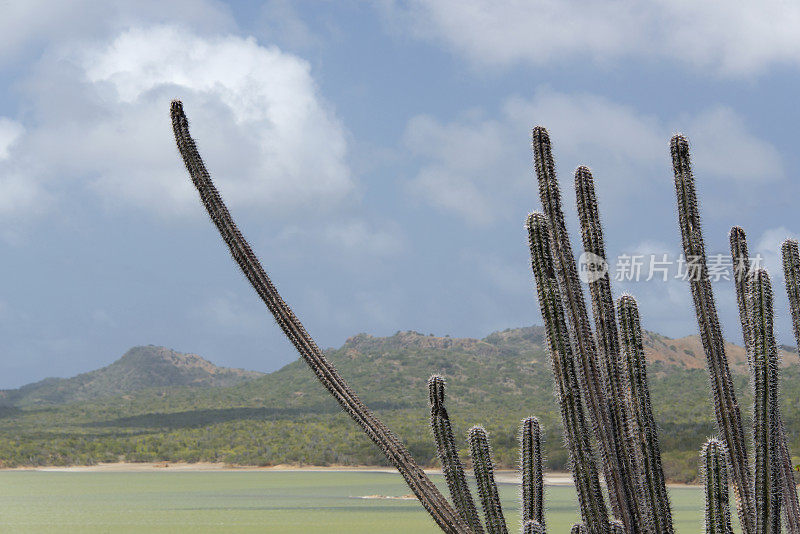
(600,378)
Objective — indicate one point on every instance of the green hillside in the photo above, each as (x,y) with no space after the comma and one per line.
(287,417)
(139,368)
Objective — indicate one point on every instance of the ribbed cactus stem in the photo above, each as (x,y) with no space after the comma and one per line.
(483,466)
(741,270)
(741,262)
(617,527)
(532,489)
(427,493)
(644,432)
(765,405)
(532,527)
(592,386)
(608,341)
(446,449)
(578,528)
(791,271)
(576,430)
(726,407)
(714,468)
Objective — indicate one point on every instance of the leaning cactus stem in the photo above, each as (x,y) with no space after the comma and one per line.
(483,466)
(447,451)
(765,405)
(576,430)
(714,468)
(532,489)
(726,407)
(427,493)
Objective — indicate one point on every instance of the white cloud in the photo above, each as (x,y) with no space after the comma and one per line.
(476,166)
(268,138)
(735,38)
(768,247)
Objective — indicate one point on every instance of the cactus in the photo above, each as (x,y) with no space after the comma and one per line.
(577,528)
(427,493)
(714,468)
(593,387)
(644,433)
(765,405)
(532,487)
(532,527)
(483,466)
(608,340)
(576,430)
(617,527)
(447,451)
(741,262)
(726,407)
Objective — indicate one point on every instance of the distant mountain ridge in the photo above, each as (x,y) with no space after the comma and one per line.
(140,368)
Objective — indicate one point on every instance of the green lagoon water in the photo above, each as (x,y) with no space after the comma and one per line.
(250,501)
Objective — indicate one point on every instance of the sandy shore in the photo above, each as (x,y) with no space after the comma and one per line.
(131,467)
(502,476)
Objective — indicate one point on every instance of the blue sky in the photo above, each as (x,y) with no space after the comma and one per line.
(377,156)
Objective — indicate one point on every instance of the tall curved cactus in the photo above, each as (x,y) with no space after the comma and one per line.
(726,407)
(427,493)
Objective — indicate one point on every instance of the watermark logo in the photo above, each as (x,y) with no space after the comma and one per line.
(591,267)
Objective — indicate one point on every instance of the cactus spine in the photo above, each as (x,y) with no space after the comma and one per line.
(427,493)
(484,475)
(576,430)
(726,407)
(447,451)
(593,388)
(765,405)
(714,468)
(791,271)
(644,433)
(741,262)
(532,489)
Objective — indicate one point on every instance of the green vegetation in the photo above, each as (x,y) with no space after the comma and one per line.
(287,417)
(250,502)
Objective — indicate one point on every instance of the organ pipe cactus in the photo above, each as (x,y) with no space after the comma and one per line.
(594,387)
(532,527)
(714,468)
(644,434)
(742,271)
(447,451)
(532,487)
(765,405)
(608,341)
(726,407)
(394,450)
(483,466)
(576,430)
(607,379)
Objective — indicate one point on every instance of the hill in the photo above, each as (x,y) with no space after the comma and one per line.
(288,417)
(139,368)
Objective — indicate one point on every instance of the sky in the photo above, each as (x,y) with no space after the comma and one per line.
(376,155)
